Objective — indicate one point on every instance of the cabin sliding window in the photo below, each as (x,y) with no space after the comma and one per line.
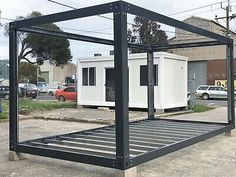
(89,76)
(144,75)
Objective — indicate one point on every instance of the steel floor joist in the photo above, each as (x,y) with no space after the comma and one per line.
(155,137)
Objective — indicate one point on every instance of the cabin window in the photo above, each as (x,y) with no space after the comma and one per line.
(89,76)
(144,75)
(92,76)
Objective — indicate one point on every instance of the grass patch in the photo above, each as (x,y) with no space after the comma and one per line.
(26,106)
(201,108)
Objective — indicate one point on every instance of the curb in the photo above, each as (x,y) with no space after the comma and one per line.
(98,120)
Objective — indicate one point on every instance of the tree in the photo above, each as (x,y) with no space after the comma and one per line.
(28,72)
(43,47)
(146,32)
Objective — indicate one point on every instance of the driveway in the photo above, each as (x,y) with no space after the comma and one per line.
(215,157)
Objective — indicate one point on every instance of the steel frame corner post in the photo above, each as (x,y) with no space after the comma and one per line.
(150,84)
(13,104)
(121,86)
(230,83)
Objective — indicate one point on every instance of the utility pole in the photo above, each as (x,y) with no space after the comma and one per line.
(227,17)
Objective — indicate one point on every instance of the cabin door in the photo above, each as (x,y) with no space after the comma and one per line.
(110,84)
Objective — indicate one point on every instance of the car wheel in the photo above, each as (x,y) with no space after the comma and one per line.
(61,98)
(34,97)
(205,96)
(50,93)
(6,97)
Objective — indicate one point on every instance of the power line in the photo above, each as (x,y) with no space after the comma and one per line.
(65,5)
(72,29)
(193,9)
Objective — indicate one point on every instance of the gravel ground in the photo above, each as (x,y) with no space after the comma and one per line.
(84,115)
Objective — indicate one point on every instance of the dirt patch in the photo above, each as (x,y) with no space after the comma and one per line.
(84,115)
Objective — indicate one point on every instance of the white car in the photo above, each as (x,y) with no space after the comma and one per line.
(51,88)
(211,91)
(42,87)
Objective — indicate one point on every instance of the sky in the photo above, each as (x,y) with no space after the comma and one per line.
(100,27)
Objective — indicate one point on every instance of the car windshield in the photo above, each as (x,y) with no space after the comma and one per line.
(21,85)
(32,86)
(42,84)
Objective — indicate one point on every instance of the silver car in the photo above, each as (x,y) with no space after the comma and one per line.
(211,91)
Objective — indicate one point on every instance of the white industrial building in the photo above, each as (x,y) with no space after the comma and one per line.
(96,81)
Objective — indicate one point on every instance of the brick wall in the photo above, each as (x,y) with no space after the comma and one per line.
(216,70)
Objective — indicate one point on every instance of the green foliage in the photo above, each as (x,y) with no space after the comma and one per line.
(146,32)
(26,106)
(28,72)
(201,108)
(5,109)
(43,47)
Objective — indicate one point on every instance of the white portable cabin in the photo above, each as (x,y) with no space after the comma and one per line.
(96,81)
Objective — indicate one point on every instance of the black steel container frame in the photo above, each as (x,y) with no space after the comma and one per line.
(120,9)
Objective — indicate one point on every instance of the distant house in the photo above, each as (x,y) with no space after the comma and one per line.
(52,73)
(206,64)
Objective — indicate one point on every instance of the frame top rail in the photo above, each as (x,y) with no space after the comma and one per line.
(139,11)
(67,15)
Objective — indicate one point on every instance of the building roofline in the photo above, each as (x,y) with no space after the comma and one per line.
(208,21)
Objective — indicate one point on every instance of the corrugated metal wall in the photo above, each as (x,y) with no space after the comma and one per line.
(197,74)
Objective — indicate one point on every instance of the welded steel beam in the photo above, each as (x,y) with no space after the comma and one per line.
(178,145)
(66,154)
(187,45)
(139,11)
(150,83)
(63,16)
(13,72)
(230,83)
(78,37)
(121,88)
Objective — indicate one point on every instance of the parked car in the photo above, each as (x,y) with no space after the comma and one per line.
(4,92)
(67,93)
(211,91)
(42,87)
(51,88)
(28,90)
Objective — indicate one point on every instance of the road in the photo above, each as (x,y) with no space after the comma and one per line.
(213,102)
(46,97)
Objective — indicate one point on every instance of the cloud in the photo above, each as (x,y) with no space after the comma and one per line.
(4,54)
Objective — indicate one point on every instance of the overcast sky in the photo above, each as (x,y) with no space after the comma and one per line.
(100,27)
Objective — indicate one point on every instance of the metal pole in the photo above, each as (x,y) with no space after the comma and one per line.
(13,105)
(150,86)
(227,18)
(230,84)
(121,87)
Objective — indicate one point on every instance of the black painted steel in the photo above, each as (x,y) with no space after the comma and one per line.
(148,139)
(187,45)
(230,83)
(73,36)
(121,87)
(124,144)
(13,104)
(139,11)
(150,87)
(64,16)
